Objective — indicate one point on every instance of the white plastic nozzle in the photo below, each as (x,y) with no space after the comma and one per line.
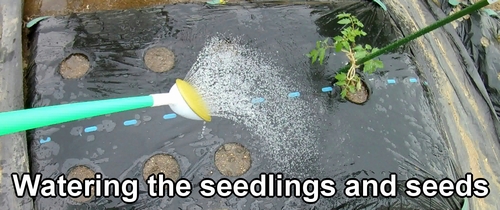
(176,102)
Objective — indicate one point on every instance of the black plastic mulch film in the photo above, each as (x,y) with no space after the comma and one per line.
(399,130)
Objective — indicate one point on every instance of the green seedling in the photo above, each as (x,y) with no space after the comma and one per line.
(346,42)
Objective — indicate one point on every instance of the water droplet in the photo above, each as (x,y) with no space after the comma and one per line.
(203,129)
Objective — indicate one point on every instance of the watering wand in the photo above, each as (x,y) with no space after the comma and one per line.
(183,99)
(423,31)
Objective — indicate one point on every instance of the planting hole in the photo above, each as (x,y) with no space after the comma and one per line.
(161,163)
(232,159)
(360,96)
(74,66)
(81,173)
(159,59)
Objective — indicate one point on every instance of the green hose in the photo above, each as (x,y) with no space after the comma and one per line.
(26,119)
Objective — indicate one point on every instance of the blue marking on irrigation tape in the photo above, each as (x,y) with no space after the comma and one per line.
(257,100)
(391,81)
(294,94)
(326,89)
(90,129)
(413,80)
(130,122)
(43,141)
(169,116)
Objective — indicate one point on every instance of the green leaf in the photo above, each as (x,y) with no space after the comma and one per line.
(378,64)
(35,21)
(372,69)
(321,55)
(368,47)
(346,45)
(340,82)
(343,15)
(454,2)
(351,38)
(358,48)
(359,23)
(375,49)
(344,21)
(363,33)
(352,89)
(358,85)
(366,68)
(310,54)
(318,44)
(381,4)
(369,67)
(343,93)
(338,46)
(358,32)
(314,55)
(338,38)
(360,54)
(341,76)
(355,78)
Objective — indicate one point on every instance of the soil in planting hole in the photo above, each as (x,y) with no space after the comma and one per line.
(161,163)
(159,59)
(81,173)
(74,66)
(360,96)
(232,159)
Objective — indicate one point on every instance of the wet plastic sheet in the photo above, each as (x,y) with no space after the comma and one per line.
(399,130)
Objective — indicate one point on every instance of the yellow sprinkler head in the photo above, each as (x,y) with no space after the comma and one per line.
(193,106)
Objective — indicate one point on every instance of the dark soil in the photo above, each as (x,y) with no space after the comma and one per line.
(159,59)
(162,163)
(81,173)
(75,66)
(360,96)
(232,159)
